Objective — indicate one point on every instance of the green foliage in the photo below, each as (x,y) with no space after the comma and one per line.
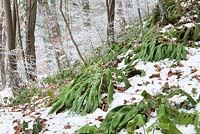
(84,95)
(171,9)
(88,130)
(133,116)
(60,77)
(157,49)
(183,93)
(36,128)
(24,95)
(184,34)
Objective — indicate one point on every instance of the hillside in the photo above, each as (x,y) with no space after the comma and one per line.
(148,83)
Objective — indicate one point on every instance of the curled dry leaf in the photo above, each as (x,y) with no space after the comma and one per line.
(68,126)
(180,65)
(18,129)
(43,123)
(139,84)
(154,76)
(99,118)
(193,70)
(170,73)
(120,89)
(197,77)
(166,85)
(126,101)
(158,68)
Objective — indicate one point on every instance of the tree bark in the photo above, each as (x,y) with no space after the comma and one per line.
(110,4)
(179,8)
(20,38)
(86,8)
(2,55)
(10,25)
(70,33)
(30,39)
(121,15)
(163,12)
(139,13)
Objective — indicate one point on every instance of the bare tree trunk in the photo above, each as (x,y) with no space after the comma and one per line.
(86,8)
(2,54)
(163,12)
(121,15)
(54,33)
(30,38)
(139,13)
(70,33)
(148,10)
(179,6)
(20,38)
(10,25)
(110,4)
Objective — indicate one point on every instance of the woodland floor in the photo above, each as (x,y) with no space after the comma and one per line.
(184,74)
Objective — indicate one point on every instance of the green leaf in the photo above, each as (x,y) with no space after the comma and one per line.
(137,121)
(87,130)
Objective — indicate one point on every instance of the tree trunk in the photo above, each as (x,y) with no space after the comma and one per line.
(110,4)
(163,12)
(86,8)
(2,55)
(179,8)
(30,38)
(121,15)
(20,38)
(70,33)
(10,25)
(139,13)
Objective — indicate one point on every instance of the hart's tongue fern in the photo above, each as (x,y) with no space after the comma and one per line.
(84,95)
(155,50)
(135,115)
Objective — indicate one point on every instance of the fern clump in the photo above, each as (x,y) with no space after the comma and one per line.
(135,115)
(84,95)
(161,48)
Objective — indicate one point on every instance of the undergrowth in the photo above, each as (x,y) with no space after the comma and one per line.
(160,48)
(24,96)
(84,94)
(134,116)
(170,44)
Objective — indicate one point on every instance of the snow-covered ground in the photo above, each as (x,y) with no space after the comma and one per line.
(186,75)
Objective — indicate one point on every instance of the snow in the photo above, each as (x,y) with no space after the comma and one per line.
(166,28)
(189,25)
(187,129)
(57,123)
(68,123)
(5,93)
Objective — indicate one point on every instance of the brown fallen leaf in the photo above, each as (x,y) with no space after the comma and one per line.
(126,101)
(68,126)
(158,68)
(170,73)
(193,70)
(178,73)
(121,89)
(154,76)
(139,84)
(197,77)
(99,118)
(180,65)
(18,129)
(146,83)
(43,124)
(105,105)
(166,85)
